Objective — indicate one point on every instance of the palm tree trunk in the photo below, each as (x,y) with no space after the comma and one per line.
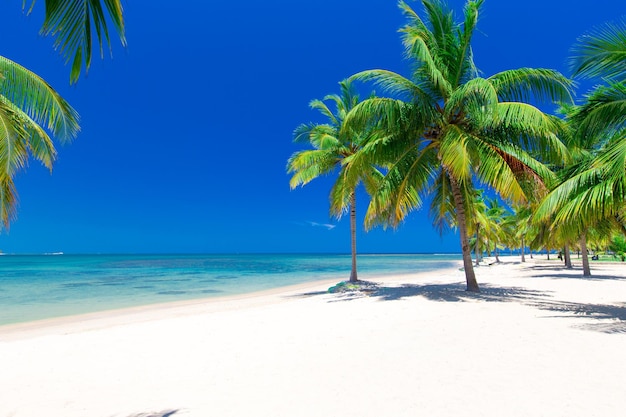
(470,277)
(476,247)
(548,252)
(353,275)
(523,250)
(583,249)
(566,255)
(495,251)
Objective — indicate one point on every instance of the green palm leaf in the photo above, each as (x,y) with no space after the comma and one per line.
(38,99)
(528,84)
(73,22)
(601,53)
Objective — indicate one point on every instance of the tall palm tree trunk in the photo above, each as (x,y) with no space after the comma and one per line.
(567,257)
(523,250)
(583,249)
(353,275)
(470,277)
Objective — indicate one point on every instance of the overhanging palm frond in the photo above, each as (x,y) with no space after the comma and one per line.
(527,84)
(73,24)
(30,93)
(601,53)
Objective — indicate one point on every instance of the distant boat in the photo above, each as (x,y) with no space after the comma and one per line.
(54,253)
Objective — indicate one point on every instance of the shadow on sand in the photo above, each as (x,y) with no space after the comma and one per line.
(604,318)
(165,413)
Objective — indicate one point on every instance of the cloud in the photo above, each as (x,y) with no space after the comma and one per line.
(326,225)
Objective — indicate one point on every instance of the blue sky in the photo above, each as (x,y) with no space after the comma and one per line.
(186,132)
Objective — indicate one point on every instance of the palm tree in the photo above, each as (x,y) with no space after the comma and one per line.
(449,127)
(496,214)
(335,147)
(75,22)
(595,189)
(28,108)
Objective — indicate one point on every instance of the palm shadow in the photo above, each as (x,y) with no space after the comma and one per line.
(605,318)
(164,413)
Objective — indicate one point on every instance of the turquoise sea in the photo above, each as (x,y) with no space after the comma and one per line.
(34,287)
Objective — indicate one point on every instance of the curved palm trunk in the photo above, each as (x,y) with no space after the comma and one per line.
(583,249)
(470,277)
(353,275)
(566,256)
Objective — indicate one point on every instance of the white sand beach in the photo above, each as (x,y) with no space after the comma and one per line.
(538,341)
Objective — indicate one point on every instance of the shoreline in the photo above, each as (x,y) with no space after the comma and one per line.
(418,345)
(119,316)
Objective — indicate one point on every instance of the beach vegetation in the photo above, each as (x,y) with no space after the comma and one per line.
(448,130)
(337,149)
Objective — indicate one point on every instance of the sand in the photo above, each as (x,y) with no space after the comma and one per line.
(538,341)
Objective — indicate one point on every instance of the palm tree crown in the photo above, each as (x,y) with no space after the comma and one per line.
(335,147)
(450,127)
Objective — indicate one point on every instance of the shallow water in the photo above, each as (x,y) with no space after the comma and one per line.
(34,287)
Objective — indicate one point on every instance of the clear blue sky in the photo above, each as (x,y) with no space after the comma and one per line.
(186,132)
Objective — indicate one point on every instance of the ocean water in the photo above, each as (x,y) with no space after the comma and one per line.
(34,287)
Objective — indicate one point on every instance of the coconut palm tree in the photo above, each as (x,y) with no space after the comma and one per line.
(595,189)
(76,23)
(335,147)
(29,108)
(448,127)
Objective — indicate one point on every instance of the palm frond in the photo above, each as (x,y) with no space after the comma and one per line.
(464,60)
(476,98)
(323,108)
(419,51)
(455,153)
(601,53)
(38,99)
(34,136)
(603,112)
(442,207)
(310,164)
(533,84)
(391,82)
(399,191)
(73,23)
(531,129)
